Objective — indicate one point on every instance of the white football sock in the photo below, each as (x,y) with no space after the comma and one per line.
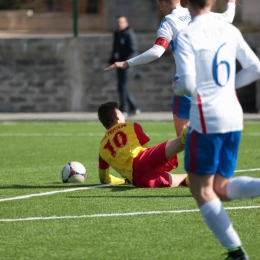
(243,187)
(219,222)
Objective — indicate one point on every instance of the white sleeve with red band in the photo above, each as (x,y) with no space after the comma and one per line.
(152,54)
(162,42)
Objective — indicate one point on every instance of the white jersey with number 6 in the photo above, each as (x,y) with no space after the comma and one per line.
(206,53)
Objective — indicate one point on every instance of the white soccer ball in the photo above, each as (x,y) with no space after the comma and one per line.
(73,172)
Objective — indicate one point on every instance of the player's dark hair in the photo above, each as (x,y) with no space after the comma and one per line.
(168,1)
(120,16)
(199,3)
(107,113)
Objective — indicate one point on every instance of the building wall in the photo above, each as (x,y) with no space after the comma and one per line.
(250,11)
(67,74)
(20,21)
(142,15)
(84,6)
(100,15)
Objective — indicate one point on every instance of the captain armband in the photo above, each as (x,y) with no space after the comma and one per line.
(162,42)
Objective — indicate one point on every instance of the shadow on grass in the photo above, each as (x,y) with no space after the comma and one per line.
(128,187)
(131,196)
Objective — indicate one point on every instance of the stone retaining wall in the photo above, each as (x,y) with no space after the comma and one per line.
(66,74)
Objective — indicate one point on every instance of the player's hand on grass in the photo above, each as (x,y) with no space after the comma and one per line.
(117,65)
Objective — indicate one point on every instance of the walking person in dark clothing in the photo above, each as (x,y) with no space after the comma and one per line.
(124,47)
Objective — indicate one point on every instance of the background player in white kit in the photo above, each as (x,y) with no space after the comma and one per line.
(176,18)
(206,54)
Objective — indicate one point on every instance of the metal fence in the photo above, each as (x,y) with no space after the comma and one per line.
(92,16)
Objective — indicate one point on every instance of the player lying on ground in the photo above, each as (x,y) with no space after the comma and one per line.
(124,148)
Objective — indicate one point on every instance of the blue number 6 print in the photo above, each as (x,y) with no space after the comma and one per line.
(215,67)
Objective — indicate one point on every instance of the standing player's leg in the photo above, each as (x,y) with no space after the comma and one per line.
(180,110)
(179,124)
(121,77)
(214,214)
(129,96)
(242,187)
(203,155)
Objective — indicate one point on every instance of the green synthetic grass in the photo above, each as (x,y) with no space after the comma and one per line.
(93,223)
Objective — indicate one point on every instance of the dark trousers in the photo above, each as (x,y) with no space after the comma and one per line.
(125,95)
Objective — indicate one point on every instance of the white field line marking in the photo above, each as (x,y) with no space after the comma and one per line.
(82,188)
(249,170)
(119,214)
(48,134)
(65,134)
(54,192)
(85,134)
(88,134)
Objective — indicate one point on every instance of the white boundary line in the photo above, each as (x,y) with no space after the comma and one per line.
(104,215)
(81,188)
(96,134)
(249,170)
(118,214)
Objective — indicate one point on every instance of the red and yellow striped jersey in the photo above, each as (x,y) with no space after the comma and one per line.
(121,144)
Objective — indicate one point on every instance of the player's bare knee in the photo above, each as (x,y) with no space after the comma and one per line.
(221,193)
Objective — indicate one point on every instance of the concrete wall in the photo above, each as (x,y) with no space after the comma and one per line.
(66,74)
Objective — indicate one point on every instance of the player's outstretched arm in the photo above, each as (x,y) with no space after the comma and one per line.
(117,65)
(229,14)
(106,178)
(152,54)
